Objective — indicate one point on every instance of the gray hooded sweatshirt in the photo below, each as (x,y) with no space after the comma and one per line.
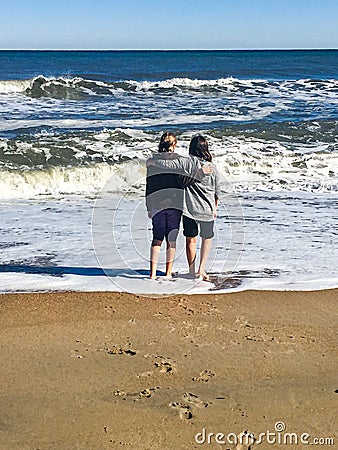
(200,194)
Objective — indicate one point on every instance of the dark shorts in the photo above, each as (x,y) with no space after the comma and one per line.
(190,228)
(166,224)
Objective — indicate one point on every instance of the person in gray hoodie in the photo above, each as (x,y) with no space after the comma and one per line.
(200,201)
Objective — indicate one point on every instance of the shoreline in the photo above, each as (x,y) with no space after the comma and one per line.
(213,292)
(102,370)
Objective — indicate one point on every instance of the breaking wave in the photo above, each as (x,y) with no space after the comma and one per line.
(79,88)
(81,162)
(60,181)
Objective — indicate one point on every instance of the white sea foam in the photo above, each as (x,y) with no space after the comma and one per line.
(302,88)
(58,181)
(62,103)
(286,242)
(81,164)
(14,86)
(235,83)
(272,166)
(165,121)
(44,83)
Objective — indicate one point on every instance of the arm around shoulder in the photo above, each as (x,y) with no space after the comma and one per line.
(181,165)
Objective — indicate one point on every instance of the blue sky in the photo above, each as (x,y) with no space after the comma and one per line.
(164,24)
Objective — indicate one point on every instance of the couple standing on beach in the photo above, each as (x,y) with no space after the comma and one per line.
(177,186)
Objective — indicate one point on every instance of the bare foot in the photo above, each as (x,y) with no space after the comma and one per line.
(203,275)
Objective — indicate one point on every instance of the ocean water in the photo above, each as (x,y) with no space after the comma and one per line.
(76,128)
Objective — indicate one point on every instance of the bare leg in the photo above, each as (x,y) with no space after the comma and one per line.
(190,248)
(170,255)
(205,250)
(154,254)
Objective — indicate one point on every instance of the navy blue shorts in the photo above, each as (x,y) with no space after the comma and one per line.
(190,228)
(166,224)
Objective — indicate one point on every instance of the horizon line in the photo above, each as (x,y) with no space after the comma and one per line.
(166,50)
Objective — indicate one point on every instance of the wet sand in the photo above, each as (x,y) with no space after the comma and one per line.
(112,370)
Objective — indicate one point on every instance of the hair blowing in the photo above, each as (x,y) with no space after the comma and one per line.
(199,147)
(167,142)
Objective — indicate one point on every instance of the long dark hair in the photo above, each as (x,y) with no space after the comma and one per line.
(199,147)
(167,142)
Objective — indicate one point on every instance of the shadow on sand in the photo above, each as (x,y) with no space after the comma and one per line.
(59,271)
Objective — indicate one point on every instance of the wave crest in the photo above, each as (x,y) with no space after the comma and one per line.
(79,88)
(58,181)
(61,87)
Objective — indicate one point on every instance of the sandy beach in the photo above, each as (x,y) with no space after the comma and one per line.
(112,370)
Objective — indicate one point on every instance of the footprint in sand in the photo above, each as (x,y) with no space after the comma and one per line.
(116,350)
(145,393)
(238,408)
(205,376)
(194,400)
(163,364)
(246,441)
(183,409)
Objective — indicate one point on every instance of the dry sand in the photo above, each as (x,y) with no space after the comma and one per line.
(111,370)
